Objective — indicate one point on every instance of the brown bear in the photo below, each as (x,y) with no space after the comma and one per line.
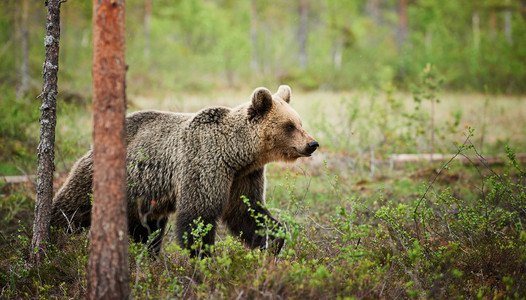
(197,166)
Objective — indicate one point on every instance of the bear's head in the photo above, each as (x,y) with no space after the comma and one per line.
(280,127)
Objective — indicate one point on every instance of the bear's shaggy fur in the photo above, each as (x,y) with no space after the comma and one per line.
(196,166)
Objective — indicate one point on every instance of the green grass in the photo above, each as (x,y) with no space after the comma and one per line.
(417,230)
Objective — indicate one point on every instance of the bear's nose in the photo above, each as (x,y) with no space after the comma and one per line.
(312,146)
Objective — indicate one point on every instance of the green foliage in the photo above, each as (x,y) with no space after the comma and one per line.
(395,238)
(196,235)
(201,45)
(443,239)
(17,141)
(62,273)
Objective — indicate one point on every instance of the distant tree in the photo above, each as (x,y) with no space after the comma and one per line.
(507,22)
(254,36)
(475,19)
(373,10)
(48,121)
(108,260)
(402,37)
(302,33)
(24,69)
(402,23)
(147,16)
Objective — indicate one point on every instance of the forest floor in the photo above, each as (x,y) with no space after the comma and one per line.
(359,224)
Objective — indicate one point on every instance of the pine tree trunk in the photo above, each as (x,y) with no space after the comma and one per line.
(402,37)
(492,24)
(46,147)
(108,261)
(402,17)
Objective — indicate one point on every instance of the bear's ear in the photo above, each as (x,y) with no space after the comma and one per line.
(284,93)
(261,100)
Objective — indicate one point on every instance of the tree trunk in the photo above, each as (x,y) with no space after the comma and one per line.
(372,9)
(476,29)
(24,69)
(492,24)
(402,17)
(507,23)
(108,260)
(337,53)
(46,147)
(254,36)
(302,34)
(147,14)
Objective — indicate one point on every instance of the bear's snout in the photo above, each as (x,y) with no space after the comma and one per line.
(312,146)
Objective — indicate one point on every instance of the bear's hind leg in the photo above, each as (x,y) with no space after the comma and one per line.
(141,234)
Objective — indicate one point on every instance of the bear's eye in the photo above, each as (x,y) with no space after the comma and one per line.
(290,127)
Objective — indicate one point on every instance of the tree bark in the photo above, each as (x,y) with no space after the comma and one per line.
(108,261)
(476,29)
(254,36)
(507,23)
(24,72)
(302,34)
(46,147)
(147,14)
(372,9)
(492,24)
(402,17)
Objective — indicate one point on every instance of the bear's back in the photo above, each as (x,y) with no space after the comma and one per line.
(152,120)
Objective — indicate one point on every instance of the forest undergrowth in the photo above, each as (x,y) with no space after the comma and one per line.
(454,231)
(355,224)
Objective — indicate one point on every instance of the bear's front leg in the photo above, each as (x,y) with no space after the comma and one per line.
(141,233)
(198,209)
(195,232)
(251,221)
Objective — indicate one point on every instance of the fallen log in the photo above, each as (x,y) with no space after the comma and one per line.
(465,159)
(18,179)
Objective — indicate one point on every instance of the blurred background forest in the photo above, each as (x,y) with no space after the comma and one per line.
(330,44)
(208,46)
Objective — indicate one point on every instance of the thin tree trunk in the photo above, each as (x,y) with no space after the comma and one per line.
(46,147)
(476,29)
(24,69)
(507,23)
(402,37)
(493,24)
(254,36)
(147,14)
(302,34)
(372,9)
(337,53)
(17,48)
(402,16)
(108,260)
